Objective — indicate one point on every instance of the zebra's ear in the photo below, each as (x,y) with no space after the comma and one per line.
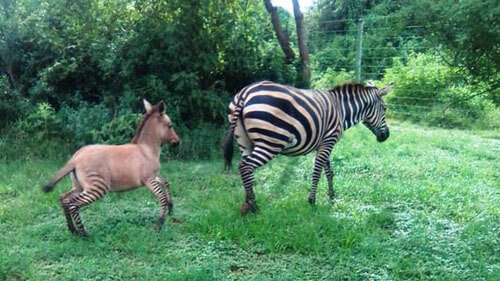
(386,89)
(147,106)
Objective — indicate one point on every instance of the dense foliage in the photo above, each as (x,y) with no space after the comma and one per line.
(76,71)
(193,54)
(445,62)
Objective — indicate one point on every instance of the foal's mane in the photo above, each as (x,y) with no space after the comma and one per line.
(144,119)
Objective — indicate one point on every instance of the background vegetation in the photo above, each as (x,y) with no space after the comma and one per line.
(74,72)
(421,206)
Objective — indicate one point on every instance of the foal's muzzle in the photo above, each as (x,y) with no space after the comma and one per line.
(174,144)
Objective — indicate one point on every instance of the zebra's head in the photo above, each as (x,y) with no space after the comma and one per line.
(375,116)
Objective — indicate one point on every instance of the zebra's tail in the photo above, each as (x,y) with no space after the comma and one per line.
(66,169)
(228,150)
(228,144)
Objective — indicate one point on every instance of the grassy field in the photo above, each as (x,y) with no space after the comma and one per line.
(424,205)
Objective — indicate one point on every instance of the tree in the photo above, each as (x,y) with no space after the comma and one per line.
(282,37)
(303,68)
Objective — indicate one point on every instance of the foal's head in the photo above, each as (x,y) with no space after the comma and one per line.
(158,124)
(375,116)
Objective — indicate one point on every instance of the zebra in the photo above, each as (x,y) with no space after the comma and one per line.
(268,118)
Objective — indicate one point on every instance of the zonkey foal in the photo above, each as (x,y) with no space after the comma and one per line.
(97,169)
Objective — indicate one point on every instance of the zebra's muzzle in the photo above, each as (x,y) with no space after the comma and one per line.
(383,135)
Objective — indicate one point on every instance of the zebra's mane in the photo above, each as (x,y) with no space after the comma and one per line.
(358,85)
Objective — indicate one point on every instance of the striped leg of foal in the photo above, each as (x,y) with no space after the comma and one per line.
(259,157)
(65,206)
(322,156)
(79,200)
(166,188)
(329,177)
(155,185)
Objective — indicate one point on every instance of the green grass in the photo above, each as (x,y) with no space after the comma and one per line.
(424,205)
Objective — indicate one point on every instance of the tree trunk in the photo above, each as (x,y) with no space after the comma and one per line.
(305,69)
(282,38)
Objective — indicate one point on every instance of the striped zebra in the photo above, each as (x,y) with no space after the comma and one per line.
(267,119)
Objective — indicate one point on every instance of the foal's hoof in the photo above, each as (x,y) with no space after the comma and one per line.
(249,206)
(157,227)
(311,200)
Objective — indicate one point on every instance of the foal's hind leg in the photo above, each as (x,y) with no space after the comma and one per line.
(65,206)
(155,185)
(64,198)
(79,200)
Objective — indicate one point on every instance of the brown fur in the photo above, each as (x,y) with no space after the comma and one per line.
(98,169)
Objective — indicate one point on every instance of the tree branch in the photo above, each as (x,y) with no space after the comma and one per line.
(304,53)
(282,38)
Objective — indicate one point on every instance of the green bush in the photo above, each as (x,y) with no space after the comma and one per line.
(203,142)
(12,104)
(330,78)
(429,91)
(41,124)
(80,122)
(119,130)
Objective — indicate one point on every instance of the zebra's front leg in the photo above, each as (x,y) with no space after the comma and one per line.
(155,185)
(322,156)
(329,177)
(259,157)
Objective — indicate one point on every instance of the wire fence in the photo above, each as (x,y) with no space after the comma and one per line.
(370,46)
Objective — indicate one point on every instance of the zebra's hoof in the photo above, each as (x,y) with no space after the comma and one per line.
(331,196)
(311,200)
(83,234)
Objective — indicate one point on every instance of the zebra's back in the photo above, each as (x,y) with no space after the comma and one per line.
(293,121)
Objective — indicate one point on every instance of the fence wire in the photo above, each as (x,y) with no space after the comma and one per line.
(384,45)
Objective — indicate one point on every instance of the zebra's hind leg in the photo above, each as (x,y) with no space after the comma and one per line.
(322,156)
(155,185)
(329,177)
(257,158)
(79,200)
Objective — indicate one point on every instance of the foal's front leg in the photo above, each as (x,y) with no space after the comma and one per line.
(155,185)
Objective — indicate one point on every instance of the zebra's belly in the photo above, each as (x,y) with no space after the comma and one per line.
(295,149)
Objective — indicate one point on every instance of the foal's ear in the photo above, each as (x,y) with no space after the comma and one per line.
(161,107)
(147,106)
(386,89)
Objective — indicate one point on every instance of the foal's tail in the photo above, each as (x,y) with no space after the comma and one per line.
(66,169)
